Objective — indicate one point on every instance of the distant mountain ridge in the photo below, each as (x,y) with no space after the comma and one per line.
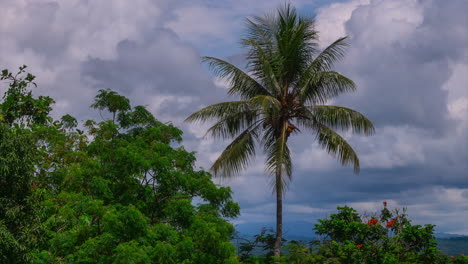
(296,228)
(453,246)
(447,235)
(450,244)
(304,228)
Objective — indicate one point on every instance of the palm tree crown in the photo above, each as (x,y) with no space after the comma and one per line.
(283,93)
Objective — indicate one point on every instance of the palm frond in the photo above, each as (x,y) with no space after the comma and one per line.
(265,66)
(231,117)
(331,54)
(284,40)
(261,31)
(339,117)
(333,143)
(270,106)
(322,86)
(286,82)
(230,126)
(219,111)
(296,41)
(240,83)
(237,155)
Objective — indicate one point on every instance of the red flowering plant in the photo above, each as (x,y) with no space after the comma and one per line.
(386,237)
(372,222)
(391,223)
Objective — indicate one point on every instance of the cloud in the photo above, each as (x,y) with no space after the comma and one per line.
(408,58)
(305,209)
(55,37)
(200,24)
(158,69)
(331,20)
(408,62)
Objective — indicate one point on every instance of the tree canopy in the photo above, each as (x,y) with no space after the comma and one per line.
(109,191)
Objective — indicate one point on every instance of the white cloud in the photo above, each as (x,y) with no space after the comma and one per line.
(199,24)
(332,18)
(445,207)
(393,147)
(458,109)
(305,209)
(313,157)
(408,57)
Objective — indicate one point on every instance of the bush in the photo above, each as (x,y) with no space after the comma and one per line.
(347,237)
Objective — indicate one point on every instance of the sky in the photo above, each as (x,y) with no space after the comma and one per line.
(409,59)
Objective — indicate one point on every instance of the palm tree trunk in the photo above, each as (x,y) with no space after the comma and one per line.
(279,214)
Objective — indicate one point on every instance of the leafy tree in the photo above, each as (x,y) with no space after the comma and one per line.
(125,195)
(116,192)
(111,101)
(18,105)
(387,238)
(265,241)
(16,174)
(20,115)
(350,238)
(282,93)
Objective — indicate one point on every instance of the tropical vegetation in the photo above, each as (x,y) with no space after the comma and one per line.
(123,189)
(120,191)
(109,191)
(283,92)
(347,237)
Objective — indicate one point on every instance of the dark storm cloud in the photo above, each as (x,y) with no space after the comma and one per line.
(402,63)
(160,62)
(340,186)
(40,36)
(403,55)
(160,71)
(443,32)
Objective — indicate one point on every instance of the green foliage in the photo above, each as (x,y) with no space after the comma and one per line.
(119,192)
(386,238)
(288,77)
(265,241)
(282,93)
(20,113)
(17,185)
(350,238)
(111,101)
(18,106)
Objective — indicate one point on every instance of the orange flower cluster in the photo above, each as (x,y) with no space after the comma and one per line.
(385,203)
(391,223)
(359,246)
(372,222)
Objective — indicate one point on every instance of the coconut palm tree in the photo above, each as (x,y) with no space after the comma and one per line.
(283,93)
